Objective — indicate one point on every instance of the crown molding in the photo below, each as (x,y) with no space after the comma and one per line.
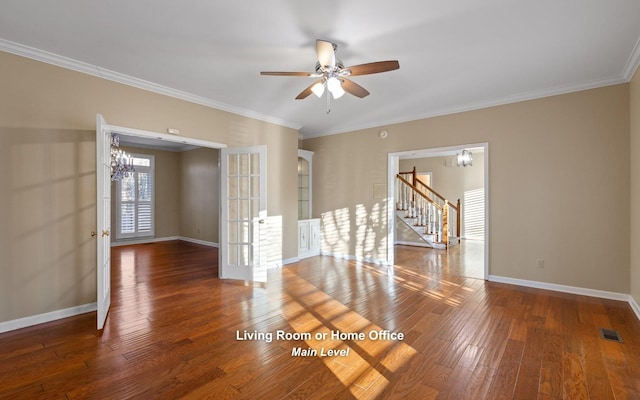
(68,63)
(632,63)
(94,70)
(533,95)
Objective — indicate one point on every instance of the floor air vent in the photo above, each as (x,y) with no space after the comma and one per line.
(610,334)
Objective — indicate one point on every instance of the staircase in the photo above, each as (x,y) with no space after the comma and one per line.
(433,218)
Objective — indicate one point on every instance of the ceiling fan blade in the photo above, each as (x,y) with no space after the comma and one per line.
(374,67)
(277,73)
(326,55)
(354,88)
(305,93)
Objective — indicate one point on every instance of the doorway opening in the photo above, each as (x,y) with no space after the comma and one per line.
(104,134)
(475,227)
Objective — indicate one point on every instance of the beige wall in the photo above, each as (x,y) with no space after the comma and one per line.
(186,193)
(558,185)
(47,211)
(635,186)
(45,103)
(199,195)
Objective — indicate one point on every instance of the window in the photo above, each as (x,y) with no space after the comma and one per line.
(134,200)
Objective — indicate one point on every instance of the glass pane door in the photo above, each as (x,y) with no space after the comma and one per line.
(243,212)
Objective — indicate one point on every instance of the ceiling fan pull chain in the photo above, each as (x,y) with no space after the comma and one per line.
(328,102)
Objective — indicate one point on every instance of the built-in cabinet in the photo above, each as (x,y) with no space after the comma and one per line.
(304,184)
(308,238)
(308,228)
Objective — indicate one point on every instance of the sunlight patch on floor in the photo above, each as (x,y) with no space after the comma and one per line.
(365,369)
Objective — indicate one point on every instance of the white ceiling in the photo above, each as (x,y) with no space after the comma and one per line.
(454,55)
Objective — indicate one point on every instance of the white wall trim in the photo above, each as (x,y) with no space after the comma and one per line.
(46,317)
(344,256)
(163,239)
(632,63)
(94,70)
(517,98)
(291,260)
(415,244)
(144,240)
(198,241)
(634,306)
(603,294)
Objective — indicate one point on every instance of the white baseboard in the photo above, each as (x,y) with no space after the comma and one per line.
(290,260)
(561,288)
(634,306)
(603,294)
(415,244)
(164,239)
(20,323)
(144,240)
(350,257)
(46,317)
(198,241)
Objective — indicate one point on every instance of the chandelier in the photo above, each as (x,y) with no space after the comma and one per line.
(121,162)
(465,159)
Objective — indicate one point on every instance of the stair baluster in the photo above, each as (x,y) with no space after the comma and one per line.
(420,206)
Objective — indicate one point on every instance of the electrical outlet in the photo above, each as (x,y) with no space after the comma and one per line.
(540,263)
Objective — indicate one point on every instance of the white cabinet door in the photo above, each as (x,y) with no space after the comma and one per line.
(303,238)
(308,238)
(314,233)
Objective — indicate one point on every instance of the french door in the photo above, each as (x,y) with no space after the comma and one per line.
(103,186)
(244,213)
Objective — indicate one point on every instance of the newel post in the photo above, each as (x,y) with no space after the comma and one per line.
(414,179)
(445,224)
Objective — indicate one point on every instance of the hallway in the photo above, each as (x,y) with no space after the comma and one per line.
(466,259)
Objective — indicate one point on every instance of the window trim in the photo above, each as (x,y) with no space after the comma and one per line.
(150,169)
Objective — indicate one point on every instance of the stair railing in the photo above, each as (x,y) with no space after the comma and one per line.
(454,215)
(425,211)
(453,218)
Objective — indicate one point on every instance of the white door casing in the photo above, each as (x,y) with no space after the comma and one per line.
(243,213)
(103,199)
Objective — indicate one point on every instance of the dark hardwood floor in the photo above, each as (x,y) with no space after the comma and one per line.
(174,331)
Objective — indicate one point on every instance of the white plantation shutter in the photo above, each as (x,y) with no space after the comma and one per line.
(134,213)
(128,218)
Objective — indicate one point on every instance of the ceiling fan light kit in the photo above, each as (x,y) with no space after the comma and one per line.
(318,88)
(333,74)
(334,85)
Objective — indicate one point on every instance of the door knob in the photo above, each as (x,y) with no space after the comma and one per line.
(93,234)
(105,233)
(261,221)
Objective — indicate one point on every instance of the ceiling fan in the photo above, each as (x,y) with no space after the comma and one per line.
(333,74)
